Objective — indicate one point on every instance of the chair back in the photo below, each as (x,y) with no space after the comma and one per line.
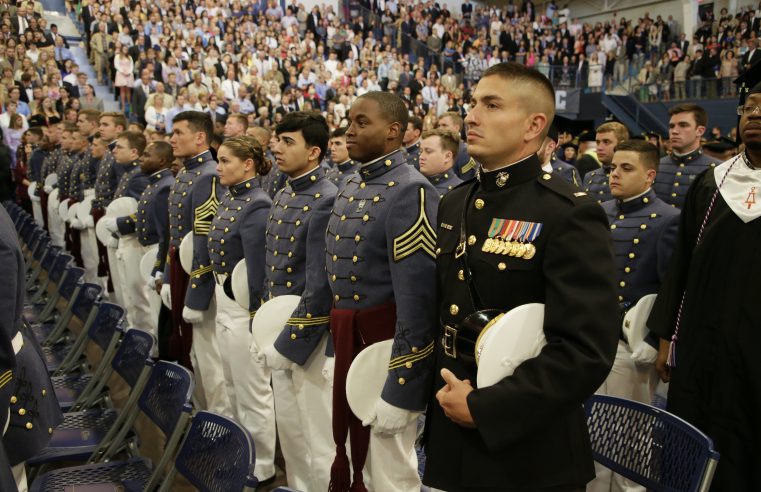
(50,256)
(71,279)
(649,446)
(216,454)
(42,247)
(109,319)
(130,358)
(59,268)
(83,304)
(166,395)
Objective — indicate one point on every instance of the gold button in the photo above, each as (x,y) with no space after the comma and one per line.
(44,392)
(306,208)
(334,278)
(402,381)
(365,218)
(471,240)
(290,254)
(221,253)
(631,255)
(454,309)
(21,412)
(546,177)
(13,399)
(317,195)
(362,184)
(388,162)
(293,336)
(50,430)
(620,217)
(343,217)
(354,259)
(391,184)
(298,223)
(357,238)
(620,298)
(480,203)
(652,216)
(679,173)
(676,184)
(337,297)
(627,269)
(288,284)
(612,227)
(501,266)
(313,178)
(643,226)
(309,315)
(376,199)
(438,250)
(335,257)
(646,200)
(356,297)
(461,275)
(673,194)
(29,426)
(622,283)
(338,237)
(351,199)
(353,278)
(408,365)
(289,269)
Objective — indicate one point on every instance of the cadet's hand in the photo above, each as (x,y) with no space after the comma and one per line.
(192,316)
(166,296)
(661,363)
(389,420)
(275,360)
(109,223)
(89,221)
(644,353)
(453,398)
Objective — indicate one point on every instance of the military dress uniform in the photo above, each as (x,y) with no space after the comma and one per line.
(237,233)
(68,185)
(464,166)
(444,182)
(677,172)
(27,399)
(296,266)
(380,264)
(564,170)
(85,172)
(106,180)
(138,233)
(54,163)
(644,231)
(597,184)
(339,172)
(413,155)
(531,433)
(193,202)
(35,175)
(273,181)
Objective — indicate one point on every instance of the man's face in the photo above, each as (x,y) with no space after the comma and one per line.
(123,154)
(338,150)
(292,154)
(368,126)
(750,123)
(684,132)
(85,125)
(606,145)
(433,158)
(410,135)
(185,142)
(98,148)
(54,133)
(66,141)
(233,128)
(446,123)
(77,142)
(629,176)
(150,162)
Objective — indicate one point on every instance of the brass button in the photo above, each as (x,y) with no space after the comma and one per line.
(354,259)
(337,297)
(620,298)
(356,297)
(293,336)
(627,270)
(333,278)
(620,217)
(50,430)
(289,269)
(22,411)
(351,199)
(501,266)
(401,381)
(643,226)
(631,255)
(622,283)
(288,284)
(408,365)
(546,177)
(454,309)
(365,218)
(376,199)
(391,184)
(480,203)
(44,392)
(362,185)
(471,240)
(461,275)
(636,240)
(13,399)
(646,200)
(338,237)
(414,350)
(335,257)
(612,227)
(653,216)
(357,238)
(29,426)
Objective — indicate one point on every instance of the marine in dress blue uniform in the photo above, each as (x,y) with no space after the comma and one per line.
(677,172)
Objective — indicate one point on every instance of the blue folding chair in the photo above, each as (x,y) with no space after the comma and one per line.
(650,446)
(216,455)
(49,286)
(165,401)
(34,283)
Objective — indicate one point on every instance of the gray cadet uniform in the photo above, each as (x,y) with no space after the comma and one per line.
(132,182)
(380,263)
(444,182)
(597,185)
(237,233)
(465,166)
(341,171)
(296,266)
(83,174)
(677,173)
(107,179)
(413,155)
(565,171)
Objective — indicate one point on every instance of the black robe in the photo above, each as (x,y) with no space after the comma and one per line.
(716,384)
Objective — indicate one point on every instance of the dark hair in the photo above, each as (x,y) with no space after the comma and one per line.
(417,123)
(392,107)
(198,122)
(135,140)
(91,114)
(244,147)
(516,72)
(312,126)
(701,117)
(164,151)
(119,118)
(338,132)
(648,153)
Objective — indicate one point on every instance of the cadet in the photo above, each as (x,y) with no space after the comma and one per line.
(296,265)
(193,203)
(78,159)
(528,431)
(644,231)
(28,406)
(343,166)
(677,171)
(49,166)
(609,135)
(58,163)
(274,181)
(380,263)
(550,162)
(464,165)
(438,149)
(237,233)
(412,140)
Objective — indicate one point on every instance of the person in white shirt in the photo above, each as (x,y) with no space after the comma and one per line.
(230,86)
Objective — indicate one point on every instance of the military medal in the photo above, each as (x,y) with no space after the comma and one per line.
(487,245)
(507,236)
(530,238)
(530,251)
(492,242)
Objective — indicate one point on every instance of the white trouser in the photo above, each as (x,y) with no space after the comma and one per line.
(633,381)
(55,226)
(208,362)
(116,280)
(291,431)
(392,462)
(141,313)
(19,475)
(314,397)
(253,404)
(37,213)
(90,254)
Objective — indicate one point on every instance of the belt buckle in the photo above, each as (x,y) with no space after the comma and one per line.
(220,278)
(448,341)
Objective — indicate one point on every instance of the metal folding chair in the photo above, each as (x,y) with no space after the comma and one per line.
(650,446)
(43,264)
(52,284)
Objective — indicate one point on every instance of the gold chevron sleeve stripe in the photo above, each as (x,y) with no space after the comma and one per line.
(251,314)
(308,321)
(409,359)
(469,166)
(156,263)
(420,236)
(5,378)
(201,271)
(202,224)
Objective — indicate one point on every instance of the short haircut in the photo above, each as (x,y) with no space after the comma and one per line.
(312,126)
(449,140)
(198,122)
(36,131)
(92,115)
(339,132)
(417,123)
(135,140)
(648,153)
(242,119)
(245,148)
(700,115)
(118,118)
(392,107)
(70,127)
(455,117)
(163,150)
(616,128)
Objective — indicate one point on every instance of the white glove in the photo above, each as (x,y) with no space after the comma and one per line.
(644,353)
(77,224)
(192,316)
(327,369)
(89,221)
(47,189)
(112,242)
(110,224)
(166,296)
(388,419)
(153,279)
(275,360)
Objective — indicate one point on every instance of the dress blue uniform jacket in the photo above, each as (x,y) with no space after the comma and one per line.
(677,173)
(193,204)
(237,232)
(296,260)
(107,179)
(132,182)
(381,249)
(597,185)
(339,172)
(151,222)
(444,182)
(565,171)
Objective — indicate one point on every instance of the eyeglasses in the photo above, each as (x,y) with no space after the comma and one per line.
(741,110)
